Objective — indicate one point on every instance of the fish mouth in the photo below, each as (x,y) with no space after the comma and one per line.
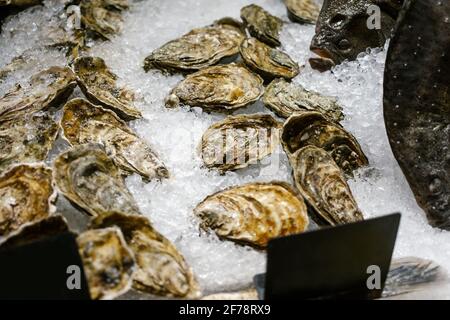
(324,61)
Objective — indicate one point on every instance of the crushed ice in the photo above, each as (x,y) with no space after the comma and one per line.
(220,265)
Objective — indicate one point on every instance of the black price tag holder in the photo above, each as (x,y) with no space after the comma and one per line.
(330,263)
(41,270)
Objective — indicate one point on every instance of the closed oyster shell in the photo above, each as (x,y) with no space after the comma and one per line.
(26,140)
(102,17)
(312,128)
(302,11)
(108,262)
(98,83)
(285,98)
(267,61)
(45,89)
(83,122)
(322,184)
(89,179)
(200,48)
(26,195)
(161,269)
(239,141)
(221,88)
(262,25)
(254,213)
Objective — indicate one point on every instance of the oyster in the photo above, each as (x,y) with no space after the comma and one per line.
(103,17)
(239,141)
(45,89)
(312,128)
(197,49)
(26,140)
(15,64)
(83,122)
(89,179)
(161,269)
(302,11)
(267,61)
(221,88)
(254,213)
(26,196)
(322,184)
(261,24)
(108,262)
(285,98)
(98,83)
(411,274)
(32,232)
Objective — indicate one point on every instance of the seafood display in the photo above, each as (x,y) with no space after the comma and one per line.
(239,141)
(286,98)
(160,268)
(87,177)
(26,195)
(83,122)
(268,62)
(198,49)
(260,143)
(254,213)
(221,88)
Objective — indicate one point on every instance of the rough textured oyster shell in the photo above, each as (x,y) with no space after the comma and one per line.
(267,61)
(26,140)
(411,274)
(254,213)
(98,83)
(83,122)
(108,262)
(26,195)
(261,24)
(322,184)
(89,178)
(197,49)
(218,88)
(32,232)
(45,89)
(285,98)
(161,269)
(312,128)
(103,17)
(239,141)
(302,11)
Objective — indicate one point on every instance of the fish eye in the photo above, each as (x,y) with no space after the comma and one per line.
(338,21)
(344,44)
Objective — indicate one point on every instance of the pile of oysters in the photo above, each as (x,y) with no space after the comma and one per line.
(227,65)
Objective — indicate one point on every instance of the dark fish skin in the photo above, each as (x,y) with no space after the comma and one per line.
(417,104)
(342,32)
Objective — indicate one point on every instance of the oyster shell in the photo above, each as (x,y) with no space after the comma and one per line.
(302,11)
(221,88)
(197,49)
(98,83)
(45,89)
(108,262)
(89,179)
(239,141)
(267,61)
(161,269)
(26,196)
(15,64)
(254,213)
(26,140)
(285,98)
(32,232)
(322,184)
(261,24)
(103,17)
(312,128)
(83,122)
